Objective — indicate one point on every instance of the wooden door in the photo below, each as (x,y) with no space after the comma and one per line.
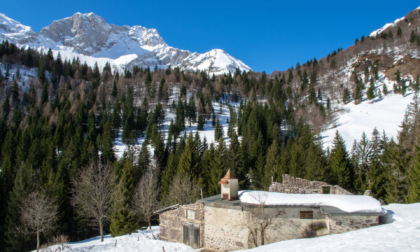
(191,233)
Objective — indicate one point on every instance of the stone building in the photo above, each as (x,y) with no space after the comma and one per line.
(244,219)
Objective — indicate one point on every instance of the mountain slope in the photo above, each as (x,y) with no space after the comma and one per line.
(90,38)
(332,93)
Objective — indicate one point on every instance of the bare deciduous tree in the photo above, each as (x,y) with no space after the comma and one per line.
(92,194)
(182,191)
(258,220)
(39,215)
(145,197)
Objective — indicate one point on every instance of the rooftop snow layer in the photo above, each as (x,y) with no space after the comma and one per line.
(346,203)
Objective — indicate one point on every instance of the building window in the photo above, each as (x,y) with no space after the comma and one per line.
(306,215)
(326,189)
(190,214)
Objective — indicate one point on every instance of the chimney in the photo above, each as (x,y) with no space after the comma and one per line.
(230,186)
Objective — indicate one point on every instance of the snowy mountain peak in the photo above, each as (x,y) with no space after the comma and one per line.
(12,27)
(89,37)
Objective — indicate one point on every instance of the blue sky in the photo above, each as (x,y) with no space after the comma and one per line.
(266,35)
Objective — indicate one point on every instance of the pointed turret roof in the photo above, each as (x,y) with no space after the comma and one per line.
(229,175)
(225,179)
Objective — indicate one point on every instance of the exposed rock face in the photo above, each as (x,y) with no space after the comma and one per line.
(80,31)
(124,46)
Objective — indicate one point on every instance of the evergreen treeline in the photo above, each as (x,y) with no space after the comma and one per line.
(71,114)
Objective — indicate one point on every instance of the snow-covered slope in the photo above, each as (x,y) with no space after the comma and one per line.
(383,113)
(401,234)
(90,38)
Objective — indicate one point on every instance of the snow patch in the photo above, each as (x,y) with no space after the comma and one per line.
(346,203)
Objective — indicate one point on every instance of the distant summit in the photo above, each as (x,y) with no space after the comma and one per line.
(92,39)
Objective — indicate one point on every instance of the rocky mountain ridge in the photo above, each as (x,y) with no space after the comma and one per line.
(92,39)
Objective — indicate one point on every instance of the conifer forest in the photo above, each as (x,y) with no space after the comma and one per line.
(58,133)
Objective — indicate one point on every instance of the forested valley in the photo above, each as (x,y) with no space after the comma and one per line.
(58,131)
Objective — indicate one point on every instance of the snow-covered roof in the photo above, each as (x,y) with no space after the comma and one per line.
(346,203)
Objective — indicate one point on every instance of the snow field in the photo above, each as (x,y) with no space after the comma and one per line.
(384,113)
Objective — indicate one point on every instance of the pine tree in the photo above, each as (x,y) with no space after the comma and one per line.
(122,219)
(384,89)
(23,185)
(272,165)
(114,92)
(371,90)
(201,121)
(346,95)
(414,176)
(44,94)
(218,130)
(189,160)
(340,163)
(315,163)
(180,117)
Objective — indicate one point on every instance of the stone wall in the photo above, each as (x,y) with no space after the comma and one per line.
(286,223)
(303,186)
(171,222)
(225,228)
(228,227)
(343,223)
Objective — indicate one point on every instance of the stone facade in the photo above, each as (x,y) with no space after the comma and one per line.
(225,228)
(343,223)
(230,227)
(287,223)
(172,222)
(303,186)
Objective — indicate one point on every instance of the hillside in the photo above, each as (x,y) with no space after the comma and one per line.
(387,57)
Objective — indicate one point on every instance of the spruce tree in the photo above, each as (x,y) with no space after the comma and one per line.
(371,90)
(340,163)
(122,219)
(414,176)
(271,166)
(23,186)
(218,130)
(384,89)
(200,123)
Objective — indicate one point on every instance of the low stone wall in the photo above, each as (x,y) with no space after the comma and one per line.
(303,186)
(171,225)
(343,223)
